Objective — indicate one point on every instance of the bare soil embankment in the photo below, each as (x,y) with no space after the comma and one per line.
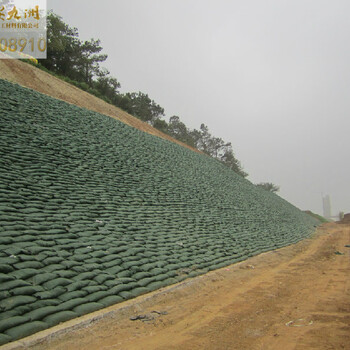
(294,298)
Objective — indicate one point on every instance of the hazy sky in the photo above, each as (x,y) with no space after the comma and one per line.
(272,77)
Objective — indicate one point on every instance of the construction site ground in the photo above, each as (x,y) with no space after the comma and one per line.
(294,298)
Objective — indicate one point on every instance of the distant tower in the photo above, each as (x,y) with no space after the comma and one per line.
(327,207)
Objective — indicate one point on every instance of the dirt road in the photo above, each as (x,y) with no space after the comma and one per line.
(296,298)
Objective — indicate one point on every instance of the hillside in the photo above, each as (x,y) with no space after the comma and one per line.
(38,80)
(94,212)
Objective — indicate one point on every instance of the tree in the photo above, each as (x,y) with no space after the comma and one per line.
(161,125)
(202,139)
(205,142)
(216,148)
(142,107)
(268,186)
(228,158)
(89,59)
(106,85)
(62,46)
(178,130)
(67,55)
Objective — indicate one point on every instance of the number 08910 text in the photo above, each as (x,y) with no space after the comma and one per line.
(22,44)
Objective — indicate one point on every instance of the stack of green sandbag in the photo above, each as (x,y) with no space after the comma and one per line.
(94,212)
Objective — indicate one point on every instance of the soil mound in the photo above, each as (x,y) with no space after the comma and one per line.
(345,220)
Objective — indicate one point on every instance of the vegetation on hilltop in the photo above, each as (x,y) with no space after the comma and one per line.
(78,62)
(268,186)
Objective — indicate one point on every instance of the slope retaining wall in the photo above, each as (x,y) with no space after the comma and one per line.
(94,212)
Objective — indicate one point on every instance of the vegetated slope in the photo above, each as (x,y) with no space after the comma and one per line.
(94,212)
(36,79)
